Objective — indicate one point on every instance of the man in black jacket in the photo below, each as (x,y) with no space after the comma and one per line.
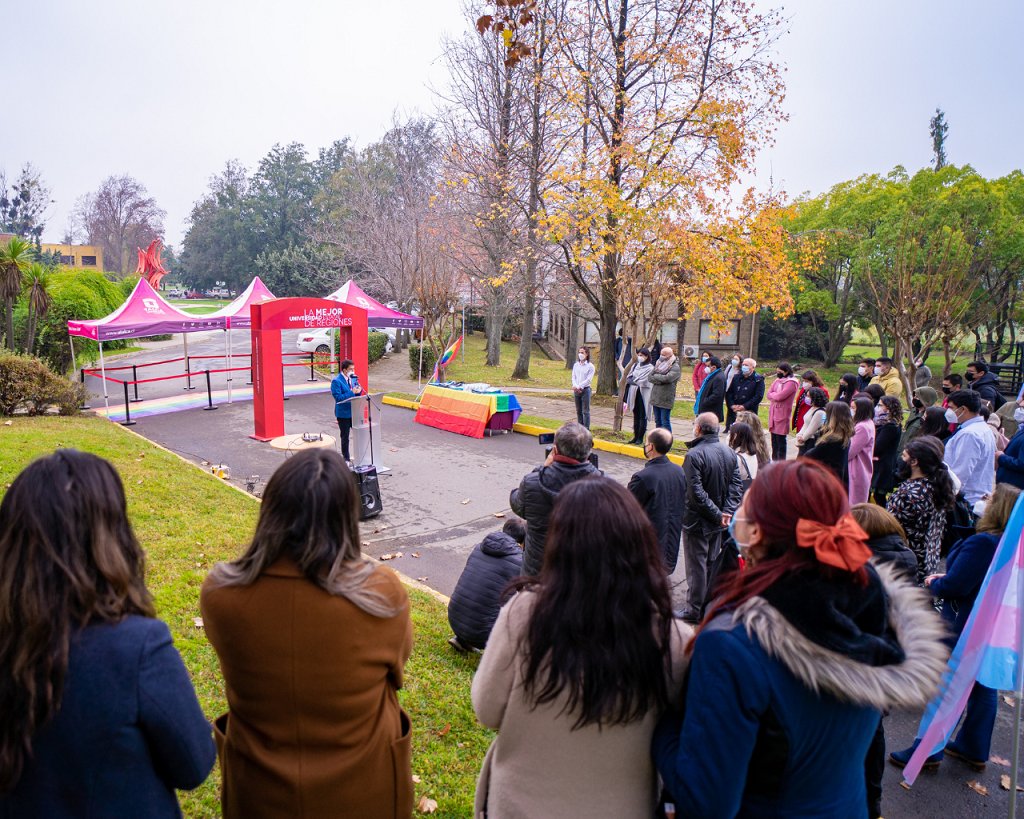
(660,487)
(985,383)
(535,496)
(476,601)
(745,392)
(713,493)
(712,391)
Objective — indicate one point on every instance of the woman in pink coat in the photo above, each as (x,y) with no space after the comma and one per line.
(862,449)
(780,407)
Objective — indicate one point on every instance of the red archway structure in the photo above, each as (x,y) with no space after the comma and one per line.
(268,320)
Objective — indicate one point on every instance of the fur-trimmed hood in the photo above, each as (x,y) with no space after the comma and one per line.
(907,684)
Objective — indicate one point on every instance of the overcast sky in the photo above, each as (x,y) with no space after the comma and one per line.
(168,91)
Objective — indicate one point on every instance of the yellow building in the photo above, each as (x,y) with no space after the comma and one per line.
(88,257)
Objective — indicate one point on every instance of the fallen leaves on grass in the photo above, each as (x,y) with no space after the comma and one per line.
(426,805)
(444,731)
(977,787)
(416,780)
(197,622)
(390,555)
(1004,783)
(8,423)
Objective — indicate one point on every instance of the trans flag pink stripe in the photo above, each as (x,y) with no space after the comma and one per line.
(989,649)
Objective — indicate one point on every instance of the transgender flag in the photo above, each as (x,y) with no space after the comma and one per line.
(988,649)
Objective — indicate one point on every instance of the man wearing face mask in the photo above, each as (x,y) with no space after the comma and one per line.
(970,453)
(924,397)
(984,382)
(887,377)
(865,372)
(712,391)
(745,392)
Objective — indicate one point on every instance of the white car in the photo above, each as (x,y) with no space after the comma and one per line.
(319,341)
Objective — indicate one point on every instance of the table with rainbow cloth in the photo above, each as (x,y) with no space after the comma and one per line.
(466,411)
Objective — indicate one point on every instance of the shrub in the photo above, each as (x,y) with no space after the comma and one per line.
(377,345)
(429,359)
(27,383)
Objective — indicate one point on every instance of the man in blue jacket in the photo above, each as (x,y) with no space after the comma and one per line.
(344,386)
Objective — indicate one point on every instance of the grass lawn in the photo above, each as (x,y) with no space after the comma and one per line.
(543,371)
(187,520)
(200,307)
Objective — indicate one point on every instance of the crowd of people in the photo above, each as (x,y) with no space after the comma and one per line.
(813,586)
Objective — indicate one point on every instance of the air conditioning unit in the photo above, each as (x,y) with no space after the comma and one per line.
(691,351)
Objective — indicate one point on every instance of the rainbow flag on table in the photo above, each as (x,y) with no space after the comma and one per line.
(446,357)
(989,649)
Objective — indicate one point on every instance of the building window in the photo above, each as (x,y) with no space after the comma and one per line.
(670,332)
(88,261)
(68,260)
(729,337)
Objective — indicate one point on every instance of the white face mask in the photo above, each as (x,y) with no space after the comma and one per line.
(807,400)
(951,417)
(805,384)
(878,370)
(862,371)
(1018,415)
(582,357)
(979,507)
(642,359)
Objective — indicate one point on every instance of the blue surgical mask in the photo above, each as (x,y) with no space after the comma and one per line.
(745,369)
(732,534)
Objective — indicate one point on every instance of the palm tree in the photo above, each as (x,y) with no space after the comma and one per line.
(15,257)
(38,302)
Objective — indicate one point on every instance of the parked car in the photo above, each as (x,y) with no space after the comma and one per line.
(319,341)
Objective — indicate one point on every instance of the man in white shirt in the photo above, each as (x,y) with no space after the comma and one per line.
(971,452)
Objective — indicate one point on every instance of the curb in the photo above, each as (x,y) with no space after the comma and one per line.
(530,429)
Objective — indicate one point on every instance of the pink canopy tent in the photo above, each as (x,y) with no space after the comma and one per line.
(237,316)
(144,313)
(377,313)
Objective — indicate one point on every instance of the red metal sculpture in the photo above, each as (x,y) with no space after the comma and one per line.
(151,266)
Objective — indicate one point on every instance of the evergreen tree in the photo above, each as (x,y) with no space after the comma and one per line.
(938,130)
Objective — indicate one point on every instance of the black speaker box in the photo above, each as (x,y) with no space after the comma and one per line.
(369,491)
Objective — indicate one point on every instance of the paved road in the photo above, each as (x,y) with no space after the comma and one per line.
(441,498)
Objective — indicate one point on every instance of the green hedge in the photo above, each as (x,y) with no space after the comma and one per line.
(26,383)
(377,345)
(429,359)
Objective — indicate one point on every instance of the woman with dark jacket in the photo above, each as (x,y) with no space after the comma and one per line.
(580,665)
(966,566)
(847,388)
(99,714)
(888,430)
(312,640)
(476,601)
(934,424)
(795,661)
(1010,462)
(833,446)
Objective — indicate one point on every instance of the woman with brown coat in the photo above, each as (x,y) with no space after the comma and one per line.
(312,640)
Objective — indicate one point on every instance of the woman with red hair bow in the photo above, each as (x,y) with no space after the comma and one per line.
(796,660)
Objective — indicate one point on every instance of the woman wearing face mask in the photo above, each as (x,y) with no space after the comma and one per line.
(888,429)
(638,394)
(582,376)
(808,381)
(922,499)
(861,454)
(781,395)
(732,369)
(1010,462)
(966,566)
(700,370)
(847,388)
(814,402)
(795,661)
(833,445)
(934,424)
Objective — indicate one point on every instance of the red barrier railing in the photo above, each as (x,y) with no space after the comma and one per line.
(96,372)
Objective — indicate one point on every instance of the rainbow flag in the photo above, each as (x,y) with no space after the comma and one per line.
(445,358)
(989,649)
